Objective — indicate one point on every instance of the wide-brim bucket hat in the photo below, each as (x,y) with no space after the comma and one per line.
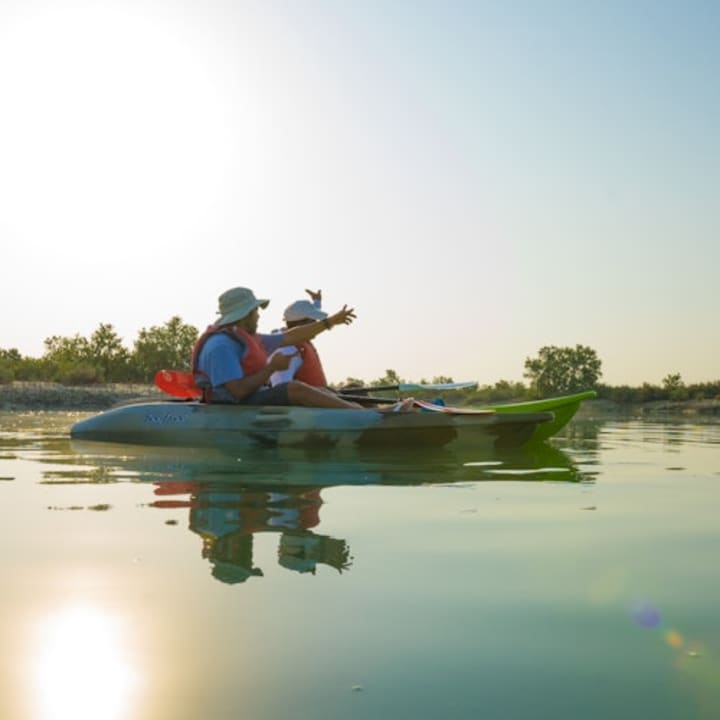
(236,303)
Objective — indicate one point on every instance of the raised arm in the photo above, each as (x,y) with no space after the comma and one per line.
(301,333)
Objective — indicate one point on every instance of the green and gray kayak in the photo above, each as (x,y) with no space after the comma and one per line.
(191,423)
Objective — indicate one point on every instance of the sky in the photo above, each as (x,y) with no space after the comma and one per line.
(477,179)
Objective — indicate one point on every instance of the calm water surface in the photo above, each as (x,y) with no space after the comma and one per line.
(578,580)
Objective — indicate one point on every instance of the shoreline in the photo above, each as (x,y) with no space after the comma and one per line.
(602,408)
(39,396)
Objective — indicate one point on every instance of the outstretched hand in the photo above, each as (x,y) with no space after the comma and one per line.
(342,317)
(315,295)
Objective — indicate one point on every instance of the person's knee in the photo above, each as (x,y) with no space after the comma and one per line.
(298,392)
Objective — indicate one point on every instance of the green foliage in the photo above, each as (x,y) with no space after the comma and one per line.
(30,368)
(6,373)
(704,391)
(390,378)
(501,391)
(675,387)
(352,382)
(166,346)
(62,354)
(672,389)
(650,393)
(79,360)
(103,358)
(10,360)
(10,356)
(440,380)
(82,374)
(621,393)
(61,350)
(559,370)
(107,355)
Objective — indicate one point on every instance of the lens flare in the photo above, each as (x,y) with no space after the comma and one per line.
(646,615)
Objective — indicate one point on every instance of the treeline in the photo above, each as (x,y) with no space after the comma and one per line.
(672,388)
(668,391)
(621,394)
(103,358)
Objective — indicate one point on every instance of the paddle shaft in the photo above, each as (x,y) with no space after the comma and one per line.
(406,387)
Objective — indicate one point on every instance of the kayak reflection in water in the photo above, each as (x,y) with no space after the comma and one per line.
(226,520)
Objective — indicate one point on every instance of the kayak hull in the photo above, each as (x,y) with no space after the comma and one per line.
(195,424)
(563,408)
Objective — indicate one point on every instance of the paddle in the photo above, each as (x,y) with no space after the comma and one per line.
(408,387)
(177,383)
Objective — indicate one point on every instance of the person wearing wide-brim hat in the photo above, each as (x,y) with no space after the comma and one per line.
(230,359)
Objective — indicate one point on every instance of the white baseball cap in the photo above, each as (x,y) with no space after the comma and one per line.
(303,310)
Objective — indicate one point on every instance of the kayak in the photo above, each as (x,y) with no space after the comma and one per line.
(195,424)
(191,423)
(563,408)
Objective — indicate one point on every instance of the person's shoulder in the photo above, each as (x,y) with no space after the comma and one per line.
(222,339)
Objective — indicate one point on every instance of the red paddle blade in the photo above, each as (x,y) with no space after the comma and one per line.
(177,383)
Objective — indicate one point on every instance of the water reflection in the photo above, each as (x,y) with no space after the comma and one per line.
(107,462)
(494,573)
(227,517)
(231,498)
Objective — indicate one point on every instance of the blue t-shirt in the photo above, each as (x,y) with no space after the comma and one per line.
(220,359)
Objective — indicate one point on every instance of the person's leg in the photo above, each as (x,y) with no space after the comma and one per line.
(276,395)
(300,393)
(297,392)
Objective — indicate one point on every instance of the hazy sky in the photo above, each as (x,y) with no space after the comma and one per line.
(478,179)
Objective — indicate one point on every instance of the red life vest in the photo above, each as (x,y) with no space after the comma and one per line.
(311,371)
(254,359)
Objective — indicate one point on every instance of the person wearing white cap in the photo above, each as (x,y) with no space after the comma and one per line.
(305,362)
(230,359)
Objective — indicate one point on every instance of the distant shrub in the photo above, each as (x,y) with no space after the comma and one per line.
(705,391)
(81,375)
(501,391)
(6,374)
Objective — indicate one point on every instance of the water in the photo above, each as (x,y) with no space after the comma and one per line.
(578,580)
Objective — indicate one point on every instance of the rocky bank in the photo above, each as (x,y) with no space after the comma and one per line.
(53,396)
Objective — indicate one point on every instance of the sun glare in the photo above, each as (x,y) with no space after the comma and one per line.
(82,671)
(114,120)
